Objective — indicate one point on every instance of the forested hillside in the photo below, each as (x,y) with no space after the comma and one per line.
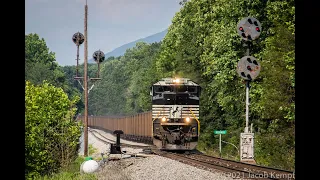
(202,44)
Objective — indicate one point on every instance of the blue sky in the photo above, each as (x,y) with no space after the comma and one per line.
(111,23)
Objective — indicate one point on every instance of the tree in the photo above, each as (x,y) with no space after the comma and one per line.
(40,63)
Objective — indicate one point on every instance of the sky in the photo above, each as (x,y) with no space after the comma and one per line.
(111,23)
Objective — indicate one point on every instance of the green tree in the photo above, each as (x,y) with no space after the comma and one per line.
(51,133)
(40,63)
(276,138)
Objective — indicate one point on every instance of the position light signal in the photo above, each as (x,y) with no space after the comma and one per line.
(249,28)
(248,68)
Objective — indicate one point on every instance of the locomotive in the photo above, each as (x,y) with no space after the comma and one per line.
(175,114)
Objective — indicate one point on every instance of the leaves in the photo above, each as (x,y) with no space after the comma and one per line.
(124,88)
(51,134)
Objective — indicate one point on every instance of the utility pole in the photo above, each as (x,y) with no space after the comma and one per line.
(85,79)
(99,57)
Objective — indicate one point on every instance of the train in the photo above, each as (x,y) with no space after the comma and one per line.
(173,122)
(175,113)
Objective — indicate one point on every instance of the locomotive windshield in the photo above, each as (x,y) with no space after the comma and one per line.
(175,94)
(176,89)
(161,89)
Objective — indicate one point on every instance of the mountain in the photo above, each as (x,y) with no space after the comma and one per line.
(122,49)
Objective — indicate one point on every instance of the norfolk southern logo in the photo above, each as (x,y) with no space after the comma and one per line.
(175,111)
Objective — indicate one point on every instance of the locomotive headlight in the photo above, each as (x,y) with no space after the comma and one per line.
(187,119)
(176,80)
(163,119)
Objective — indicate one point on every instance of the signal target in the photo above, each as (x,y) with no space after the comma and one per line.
(98,56)
(248,68)
(249,28)
(78,38)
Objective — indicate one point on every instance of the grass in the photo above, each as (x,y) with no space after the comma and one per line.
(92,150)
(70,173)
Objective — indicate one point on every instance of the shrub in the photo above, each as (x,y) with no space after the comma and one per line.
(51,134)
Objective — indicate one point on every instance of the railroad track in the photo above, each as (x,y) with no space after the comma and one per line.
(233,169)
(106,140)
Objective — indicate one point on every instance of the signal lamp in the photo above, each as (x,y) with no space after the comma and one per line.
(187,119)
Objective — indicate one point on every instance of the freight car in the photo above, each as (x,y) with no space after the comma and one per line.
(175,114)
(135,128)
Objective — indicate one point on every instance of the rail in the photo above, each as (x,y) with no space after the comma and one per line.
(233,169)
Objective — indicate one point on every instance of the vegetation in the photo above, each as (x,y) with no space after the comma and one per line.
(51,133)
(126,80)
(72,172)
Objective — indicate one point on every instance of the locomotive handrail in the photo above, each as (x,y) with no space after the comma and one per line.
(197,121)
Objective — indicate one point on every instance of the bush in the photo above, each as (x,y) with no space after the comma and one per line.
(51,134)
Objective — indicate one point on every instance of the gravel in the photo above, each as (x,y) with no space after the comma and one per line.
(148,168)
(154,168)
(99,145)
(161,168)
